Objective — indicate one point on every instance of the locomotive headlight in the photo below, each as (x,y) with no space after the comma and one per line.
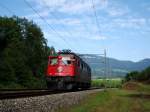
(59,69)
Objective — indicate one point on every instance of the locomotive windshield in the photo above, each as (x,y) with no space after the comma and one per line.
(53,61)
(66,61)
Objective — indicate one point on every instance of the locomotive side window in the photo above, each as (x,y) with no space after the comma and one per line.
(53,61)
(82,65)
(78,63)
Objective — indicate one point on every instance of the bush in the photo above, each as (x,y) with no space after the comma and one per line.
(138,76)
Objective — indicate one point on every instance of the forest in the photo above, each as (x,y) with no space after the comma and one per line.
(23,54)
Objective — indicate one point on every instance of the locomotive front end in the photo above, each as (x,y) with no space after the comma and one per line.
(60,72)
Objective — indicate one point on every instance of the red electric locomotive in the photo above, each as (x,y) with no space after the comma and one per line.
(67,71)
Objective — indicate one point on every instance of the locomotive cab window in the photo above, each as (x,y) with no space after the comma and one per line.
(66,61)
(53,61)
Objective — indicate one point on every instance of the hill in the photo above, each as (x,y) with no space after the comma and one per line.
(115,68)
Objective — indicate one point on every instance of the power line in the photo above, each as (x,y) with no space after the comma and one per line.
(85,25)
(44,20)
(96,17)
(13,13)
(58,18)
(4,7)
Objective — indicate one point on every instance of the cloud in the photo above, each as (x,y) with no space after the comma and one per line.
(116,9)
(113,11)
(65,21)
(78,18)
(58,10)
(118,24)
(99,37)
(75,7)
(130,22)
(70,6)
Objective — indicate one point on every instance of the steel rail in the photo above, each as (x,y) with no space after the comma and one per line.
(23,93)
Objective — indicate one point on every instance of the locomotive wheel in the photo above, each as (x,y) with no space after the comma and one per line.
(60,85)
(51,86)
(69,86)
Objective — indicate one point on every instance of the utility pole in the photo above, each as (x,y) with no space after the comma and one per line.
(105,62)
(105,69)
(109,71)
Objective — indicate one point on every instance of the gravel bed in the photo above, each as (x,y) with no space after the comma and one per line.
(47,103)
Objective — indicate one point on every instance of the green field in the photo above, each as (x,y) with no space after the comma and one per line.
(111,83)
(116,100)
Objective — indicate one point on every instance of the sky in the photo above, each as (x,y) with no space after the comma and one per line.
(122,27)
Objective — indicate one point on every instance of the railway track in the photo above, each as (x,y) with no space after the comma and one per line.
(11,94)
(14,93)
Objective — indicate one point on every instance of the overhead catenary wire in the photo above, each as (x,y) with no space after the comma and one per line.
(58,18)
(96,17)
(85,25)
(6,8)
(45,21)
(13,13)
(99,31)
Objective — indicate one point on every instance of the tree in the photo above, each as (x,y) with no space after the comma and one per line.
(132,76)
(23,53)
(139,76)
(145,74)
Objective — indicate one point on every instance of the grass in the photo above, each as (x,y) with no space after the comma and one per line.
(115,100)
(111,83)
